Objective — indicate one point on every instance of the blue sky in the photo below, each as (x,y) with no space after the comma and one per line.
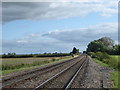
(34,27)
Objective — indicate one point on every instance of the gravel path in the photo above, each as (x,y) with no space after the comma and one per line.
(96,76)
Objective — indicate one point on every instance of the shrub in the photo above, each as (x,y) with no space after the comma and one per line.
(101,56)
(92,54)
(53,60)
(106,61)
(114,63)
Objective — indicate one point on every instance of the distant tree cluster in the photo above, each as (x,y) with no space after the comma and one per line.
(104,44)
(75,51)
(13,55)
(53,54)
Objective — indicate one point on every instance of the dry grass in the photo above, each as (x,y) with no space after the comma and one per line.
(17,61)
(10,65)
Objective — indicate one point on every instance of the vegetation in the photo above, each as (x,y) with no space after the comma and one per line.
(116,79)
(15,64)
(13,55)
(12,62)
(106,53)
(108,59)
(75,51)
(114,63)
(104,44)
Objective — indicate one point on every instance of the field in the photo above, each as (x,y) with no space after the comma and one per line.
(17,61)
(17,64)
(114,62)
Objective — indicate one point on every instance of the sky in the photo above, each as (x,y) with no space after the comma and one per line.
(38,27)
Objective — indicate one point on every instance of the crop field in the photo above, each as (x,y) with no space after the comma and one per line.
(17,64)
(17,61)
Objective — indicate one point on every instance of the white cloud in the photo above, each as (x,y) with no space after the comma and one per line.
(39,46)
(61,40)
(28,38)
(85,34)
(56,10)
(21,41)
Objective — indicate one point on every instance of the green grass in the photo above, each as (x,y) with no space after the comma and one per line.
(10,67)
(115,77)
(113,62)
(100,63)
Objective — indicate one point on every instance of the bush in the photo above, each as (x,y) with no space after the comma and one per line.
(114,63)
(106,56)
(106,61)
(53,60)
(101,56)
(92,54)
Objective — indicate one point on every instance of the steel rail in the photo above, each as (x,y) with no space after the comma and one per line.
(37,69)
(52,68)
(34,75)
(32,71)
(56,75)
(73,78)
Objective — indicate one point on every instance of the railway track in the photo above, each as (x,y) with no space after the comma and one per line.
(14,81)
(65,78)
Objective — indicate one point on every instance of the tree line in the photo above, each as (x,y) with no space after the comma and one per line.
(14,55)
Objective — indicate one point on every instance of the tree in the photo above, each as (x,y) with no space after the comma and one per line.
(84,51)
(116,50)
(107,41)
(75,51)
(95,46)
(104,44)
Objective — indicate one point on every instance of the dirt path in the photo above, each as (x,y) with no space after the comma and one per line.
(96,76)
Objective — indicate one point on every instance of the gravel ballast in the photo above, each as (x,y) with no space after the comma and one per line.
(96,76)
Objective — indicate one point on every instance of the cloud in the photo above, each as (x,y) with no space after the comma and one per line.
(28,38)
(55,10)
(80,35)
(21,41)
(40,46)
(61,40)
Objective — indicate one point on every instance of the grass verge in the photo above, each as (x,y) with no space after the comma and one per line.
(100,63)
(115,76)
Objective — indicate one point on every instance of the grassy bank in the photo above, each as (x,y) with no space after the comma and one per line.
(100,63)
(18,64)
(113,62)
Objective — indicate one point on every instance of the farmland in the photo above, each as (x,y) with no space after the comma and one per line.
(10,65)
